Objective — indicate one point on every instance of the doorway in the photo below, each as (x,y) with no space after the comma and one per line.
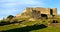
(51,11)
(44,16)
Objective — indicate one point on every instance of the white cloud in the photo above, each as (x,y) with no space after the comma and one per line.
(14,3)
(14,6)
(29,2)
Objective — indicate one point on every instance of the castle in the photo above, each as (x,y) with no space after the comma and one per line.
(39,12)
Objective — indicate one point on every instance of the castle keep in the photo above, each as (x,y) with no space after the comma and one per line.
(39,12)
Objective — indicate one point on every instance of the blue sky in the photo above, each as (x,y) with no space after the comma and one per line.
(13,7)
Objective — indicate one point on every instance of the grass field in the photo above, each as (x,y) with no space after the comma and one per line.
(29,26)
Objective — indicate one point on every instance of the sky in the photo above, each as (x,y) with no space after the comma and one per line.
(13,7)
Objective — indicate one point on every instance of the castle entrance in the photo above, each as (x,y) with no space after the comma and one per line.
(43,16)
(51,11)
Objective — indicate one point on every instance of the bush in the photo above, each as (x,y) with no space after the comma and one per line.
(10,16)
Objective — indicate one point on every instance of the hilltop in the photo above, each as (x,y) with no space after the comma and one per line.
(32,20)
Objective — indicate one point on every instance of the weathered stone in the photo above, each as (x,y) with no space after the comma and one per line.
(38,12)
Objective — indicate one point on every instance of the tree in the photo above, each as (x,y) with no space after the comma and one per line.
(10,16)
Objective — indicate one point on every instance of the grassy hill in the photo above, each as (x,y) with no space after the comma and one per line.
(31,26)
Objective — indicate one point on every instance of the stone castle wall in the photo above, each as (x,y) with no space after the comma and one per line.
(47,11)
(42,10)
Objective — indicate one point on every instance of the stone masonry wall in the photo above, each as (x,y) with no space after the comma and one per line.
(47,11)
(42,10)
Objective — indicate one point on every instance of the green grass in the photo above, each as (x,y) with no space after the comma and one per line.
(48,29)
(23,18)
(7,27)
(13,26)
(31,23)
